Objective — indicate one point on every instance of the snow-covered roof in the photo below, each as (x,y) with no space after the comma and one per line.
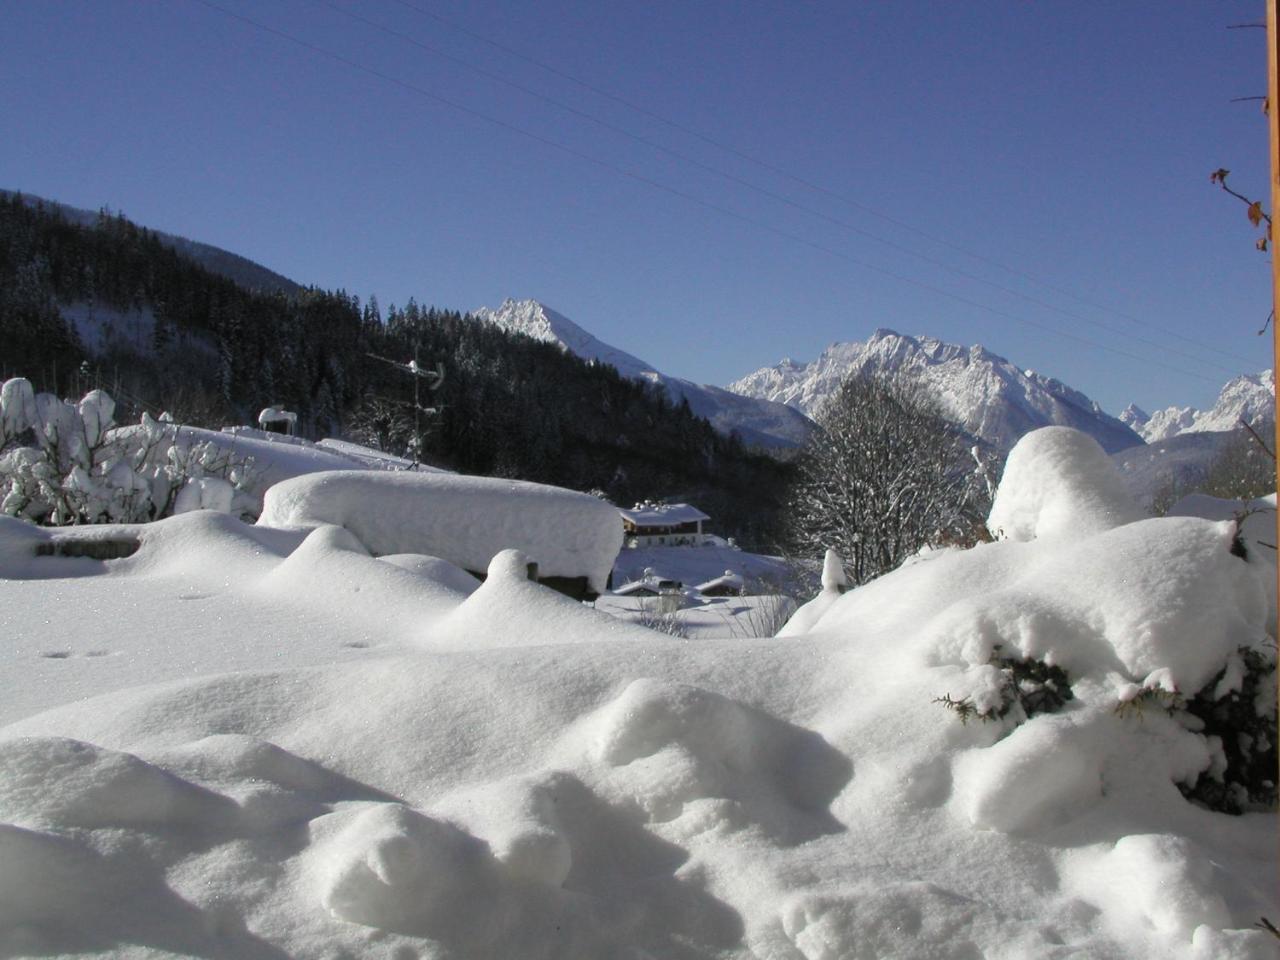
(651,582)
(277,415)
(727,579)
(650,514)
(465,520)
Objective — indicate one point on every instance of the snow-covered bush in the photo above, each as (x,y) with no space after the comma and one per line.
(1106,641)
(1235,713)
(1018,688)
(67,463)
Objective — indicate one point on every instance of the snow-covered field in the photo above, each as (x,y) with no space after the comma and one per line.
(243,741)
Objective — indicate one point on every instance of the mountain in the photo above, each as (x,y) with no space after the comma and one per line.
(985,393)
(1250,397)
(759,422)
(240,270)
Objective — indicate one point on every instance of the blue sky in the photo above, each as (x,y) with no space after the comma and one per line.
(1028,176)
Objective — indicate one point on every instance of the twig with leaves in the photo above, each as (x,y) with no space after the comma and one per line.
(1255,212)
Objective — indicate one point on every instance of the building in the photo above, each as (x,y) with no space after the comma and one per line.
(650,524)
(728,585)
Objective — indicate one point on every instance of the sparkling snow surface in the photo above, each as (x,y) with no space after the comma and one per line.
(332,755)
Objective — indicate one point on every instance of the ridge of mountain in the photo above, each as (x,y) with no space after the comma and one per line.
(1249,397)
(758,422)
(236,268)
(989,396)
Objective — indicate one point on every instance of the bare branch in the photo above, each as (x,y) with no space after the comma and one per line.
(1254,433)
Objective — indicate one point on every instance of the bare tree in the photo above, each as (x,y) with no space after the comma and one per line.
(1244,467)
(883,475)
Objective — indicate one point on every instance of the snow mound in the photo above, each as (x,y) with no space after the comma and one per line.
(509,610)
(53,779)
(465,520)
(979,755)
(388,866)
(674,750)
(1059,482)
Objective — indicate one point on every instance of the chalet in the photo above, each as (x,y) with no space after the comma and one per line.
(728,585)
(649,585)
(650,524)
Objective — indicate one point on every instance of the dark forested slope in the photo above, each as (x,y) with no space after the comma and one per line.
(108,303)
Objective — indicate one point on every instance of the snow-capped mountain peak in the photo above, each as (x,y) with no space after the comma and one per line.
(758,422)
(1133,417)
(985,393)
(537,320)
(1250,397)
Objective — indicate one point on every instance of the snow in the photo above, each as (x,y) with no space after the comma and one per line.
(1249,398)
(692,565)
(1059,483)
(466,520)
(262,742)
(757,422)
(663,514)
(986,394)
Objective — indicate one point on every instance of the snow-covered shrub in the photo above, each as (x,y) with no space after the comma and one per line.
(654,615)
(1236,711)
(67,463)
(767,614)
(1018,688)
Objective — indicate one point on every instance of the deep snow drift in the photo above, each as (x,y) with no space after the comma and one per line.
(466,520)
(420,767)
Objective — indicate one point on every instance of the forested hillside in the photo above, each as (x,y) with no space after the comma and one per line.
(109,304)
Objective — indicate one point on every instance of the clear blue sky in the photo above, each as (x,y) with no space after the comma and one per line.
(1069,141)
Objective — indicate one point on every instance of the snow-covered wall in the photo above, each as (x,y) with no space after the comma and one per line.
(465,520)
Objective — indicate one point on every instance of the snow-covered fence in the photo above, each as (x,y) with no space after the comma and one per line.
(465,520)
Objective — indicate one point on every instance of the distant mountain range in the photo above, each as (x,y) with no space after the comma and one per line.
(1250,398)
(238,269)
(758,421)
(989,396)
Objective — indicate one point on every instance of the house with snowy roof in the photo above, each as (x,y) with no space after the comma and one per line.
(650,524)
(652,584)
(729,584)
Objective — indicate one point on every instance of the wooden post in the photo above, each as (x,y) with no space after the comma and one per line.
(1273,140)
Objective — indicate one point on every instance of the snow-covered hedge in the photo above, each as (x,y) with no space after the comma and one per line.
(465,520)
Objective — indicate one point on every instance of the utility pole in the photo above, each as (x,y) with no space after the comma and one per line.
(1273,140)
(1273,137)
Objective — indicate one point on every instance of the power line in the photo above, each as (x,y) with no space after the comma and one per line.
(844,198)
(788,201)
(673,191)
